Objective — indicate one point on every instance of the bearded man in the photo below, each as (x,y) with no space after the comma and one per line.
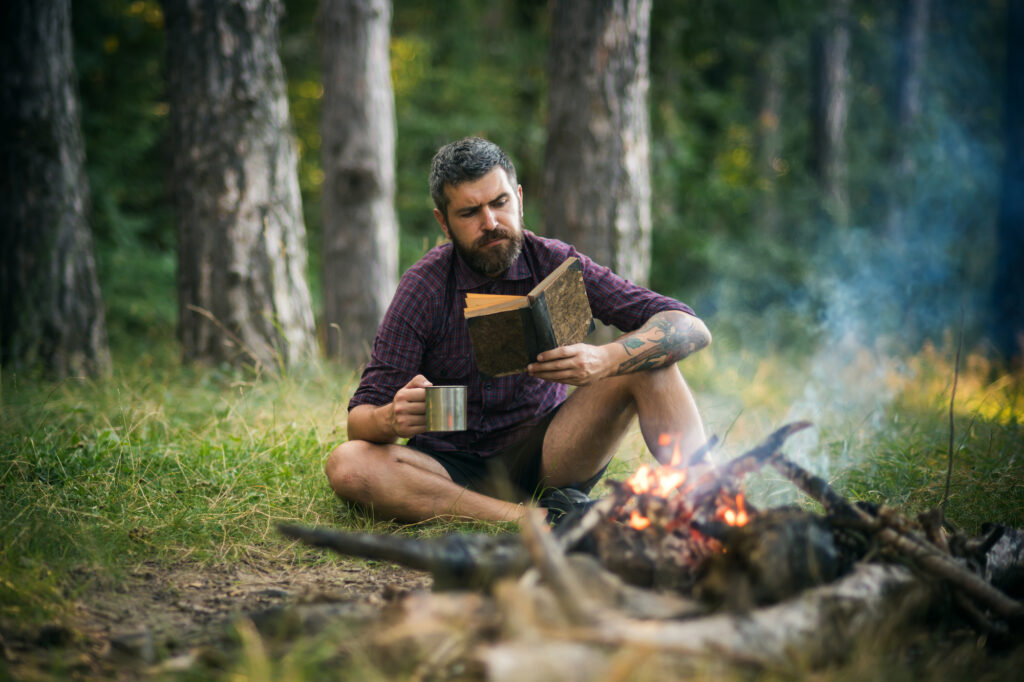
(526,437)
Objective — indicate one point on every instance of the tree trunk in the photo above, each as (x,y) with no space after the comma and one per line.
(1008,287)
(359,221)
(242,288)
(51,313)
(770,72)
(597,185)
(830,105)
(907,107)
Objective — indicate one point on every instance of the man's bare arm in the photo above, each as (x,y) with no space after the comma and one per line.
(666,338)
(403,417)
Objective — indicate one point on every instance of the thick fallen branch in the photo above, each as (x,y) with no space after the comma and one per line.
(455,561)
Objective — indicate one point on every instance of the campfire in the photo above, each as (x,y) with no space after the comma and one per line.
(676,559)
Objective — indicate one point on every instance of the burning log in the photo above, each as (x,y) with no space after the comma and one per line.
(775,556)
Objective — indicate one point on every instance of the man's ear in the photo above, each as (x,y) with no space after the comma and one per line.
(519,189)
(442,222)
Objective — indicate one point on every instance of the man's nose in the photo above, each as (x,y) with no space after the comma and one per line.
(490,219)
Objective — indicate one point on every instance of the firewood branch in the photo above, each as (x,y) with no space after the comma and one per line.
(905,542)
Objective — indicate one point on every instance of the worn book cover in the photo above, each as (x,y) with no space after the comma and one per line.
(508,332)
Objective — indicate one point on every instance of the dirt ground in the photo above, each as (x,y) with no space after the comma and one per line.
(166,619)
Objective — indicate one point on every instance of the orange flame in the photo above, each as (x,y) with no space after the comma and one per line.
(738,516)
(661,481)
(638,520)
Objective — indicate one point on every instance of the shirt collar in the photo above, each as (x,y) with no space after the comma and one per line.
(466,278)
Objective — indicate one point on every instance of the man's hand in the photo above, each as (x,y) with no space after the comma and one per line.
(578,365)
(407,413)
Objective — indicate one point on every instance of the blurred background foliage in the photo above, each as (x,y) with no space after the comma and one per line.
(479,68)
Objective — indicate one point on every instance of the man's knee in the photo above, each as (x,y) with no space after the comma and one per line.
(347,468)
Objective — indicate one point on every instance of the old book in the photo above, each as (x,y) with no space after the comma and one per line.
(508,332)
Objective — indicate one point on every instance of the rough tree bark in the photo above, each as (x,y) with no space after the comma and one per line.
(829,108)
(242,288)
(51,313)
(907,106)
(360,257)
(1007,326)
(597,186)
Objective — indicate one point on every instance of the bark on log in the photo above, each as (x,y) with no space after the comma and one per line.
(817,627)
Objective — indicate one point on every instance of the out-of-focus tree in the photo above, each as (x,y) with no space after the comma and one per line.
(912,47)
(1008,288)
(242,287)
(51,313)
(597,185)
(360,229)
(831,101)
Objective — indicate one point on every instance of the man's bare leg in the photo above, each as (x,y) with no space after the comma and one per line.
(401,483)
(586,432)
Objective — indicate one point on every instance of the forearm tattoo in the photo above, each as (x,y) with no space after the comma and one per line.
(663,340)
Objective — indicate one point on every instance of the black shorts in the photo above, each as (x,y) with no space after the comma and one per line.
(512,473)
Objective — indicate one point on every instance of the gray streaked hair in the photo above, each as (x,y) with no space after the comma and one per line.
(465,160)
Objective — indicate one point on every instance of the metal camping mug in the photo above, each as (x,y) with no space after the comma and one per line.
(446,408)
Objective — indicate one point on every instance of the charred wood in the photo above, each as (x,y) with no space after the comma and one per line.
(903,541)
(775,556)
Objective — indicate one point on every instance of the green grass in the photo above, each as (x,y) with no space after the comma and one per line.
(163,463)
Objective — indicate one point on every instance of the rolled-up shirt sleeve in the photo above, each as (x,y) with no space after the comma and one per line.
(398,347)
(621,303)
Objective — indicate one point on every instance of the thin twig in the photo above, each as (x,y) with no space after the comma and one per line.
(237,340)
(952,400)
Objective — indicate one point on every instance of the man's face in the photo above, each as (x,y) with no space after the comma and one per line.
(484,222)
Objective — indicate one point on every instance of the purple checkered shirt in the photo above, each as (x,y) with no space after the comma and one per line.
(424,332)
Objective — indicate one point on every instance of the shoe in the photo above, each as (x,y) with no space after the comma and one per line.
(564,504)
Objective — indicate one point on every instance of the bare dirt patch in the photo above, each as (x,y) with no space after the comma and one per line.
(159,617)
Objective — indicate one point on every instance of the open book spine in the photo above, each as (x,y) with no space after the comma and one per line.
(540,335)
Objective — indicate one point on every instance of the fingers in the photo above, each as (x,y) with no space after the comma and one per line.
(410,407)
(418,381)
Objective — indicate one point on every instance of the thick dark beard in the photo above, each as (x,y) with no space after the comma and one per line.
(495,261)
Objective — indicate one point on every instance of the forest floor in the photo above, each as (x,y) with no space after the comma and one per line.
(168,619)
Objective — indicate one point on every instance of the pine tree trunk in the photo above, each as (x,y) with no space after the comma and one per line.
(597,185)
(359,221)
(242,289)
(907,107)
(51,313)
(1008,288)
(830,105)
